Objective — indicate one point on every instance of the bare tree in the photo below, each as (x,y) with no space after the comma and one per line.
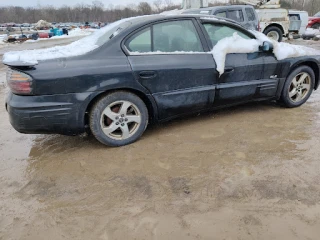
(81,12)
(144,8)
(158,5)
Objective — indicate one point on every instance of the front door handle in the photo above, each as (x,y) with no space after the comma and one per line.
(229,70)
(147,74)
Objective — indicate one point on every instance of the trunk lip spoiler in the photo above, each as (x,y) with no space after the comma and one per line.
(20,63)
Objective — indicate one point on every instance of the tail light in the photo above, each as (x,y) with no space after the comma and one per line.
(19,83)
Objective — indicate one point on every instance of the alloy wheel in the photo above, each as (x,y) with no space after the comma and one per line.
(300,87)
(120,120)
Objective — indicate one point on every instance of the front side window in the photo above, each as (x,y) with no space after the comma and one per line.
(217,32)
(174,36)
(250,14)
(236,15)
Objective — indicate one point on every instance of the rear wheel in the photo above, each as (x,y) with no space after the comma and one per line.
(298,87)
(118,119)
(274,33)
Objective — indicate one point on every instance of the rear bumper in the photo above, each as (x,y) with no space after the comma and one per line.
(62,114)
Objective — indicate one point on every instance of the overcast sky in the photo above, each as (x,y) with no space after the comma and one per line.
(57,3)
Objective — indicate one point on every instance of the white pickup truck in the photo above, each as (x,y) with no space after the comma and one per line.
(274,20)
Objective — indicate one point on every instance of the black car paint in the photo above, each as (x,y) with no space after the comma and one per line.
(171,85)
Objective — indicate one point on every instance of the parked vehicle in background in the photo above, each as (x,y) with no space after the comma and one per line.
(274,23)
(113,92)
(25,25)
(298,21)
(274,20)
(314,22)
(244,15)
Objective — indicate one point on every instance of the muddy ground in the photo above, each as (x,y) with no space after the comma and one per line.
(247,172)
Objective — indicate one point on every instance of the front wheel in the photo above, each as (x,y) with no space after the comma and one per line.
(298,87)
(118,119)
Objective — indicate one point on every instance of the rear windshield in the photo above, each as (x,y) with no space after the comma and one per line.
(112,33)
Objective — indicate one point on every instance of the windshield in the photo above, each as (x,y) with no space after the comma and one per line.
(317,15)
(112,32)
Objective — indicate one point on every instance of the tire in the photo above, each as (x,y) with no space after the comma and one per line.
(274,33)
(118,119)
(295,91)
(316,26)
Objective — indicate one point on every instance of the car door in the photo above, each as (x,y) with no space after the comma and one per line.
(169,60)
(252,21)
(244,77)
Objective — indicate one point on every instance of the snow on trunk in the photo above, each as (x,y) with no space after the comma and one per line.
(238,44)
(76,48)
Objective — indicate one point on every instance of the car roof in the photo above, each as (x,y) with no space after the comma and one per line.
(143,20)
(219,7)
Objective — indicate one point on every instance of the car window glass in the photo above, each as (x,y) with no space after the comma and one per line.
(221,14)
(217,32)
(294,17)
(236,15)
(176,36)
(140,42)
(250,14)
(317,15)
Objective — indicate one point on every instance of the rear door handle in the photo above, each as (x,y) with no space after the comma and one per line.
(147,74)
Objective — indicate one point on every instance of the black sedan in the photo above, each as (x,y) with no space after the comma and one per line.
(152,68)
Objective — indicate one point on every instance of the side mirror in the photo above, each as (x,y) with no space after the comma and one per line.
(267,47)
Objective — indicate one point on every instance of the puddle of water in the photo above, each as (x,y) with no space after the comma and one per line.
(254,167)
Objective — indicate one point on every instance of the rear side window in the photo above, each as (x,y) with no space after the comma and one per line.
(236,15)
(140,42)
(250,14)
(174,36)
(221,14)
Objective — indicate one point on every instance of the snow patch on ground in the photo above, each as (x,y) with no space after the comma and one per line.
(2,37)
(76,48)
(237,44)
(311,31)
